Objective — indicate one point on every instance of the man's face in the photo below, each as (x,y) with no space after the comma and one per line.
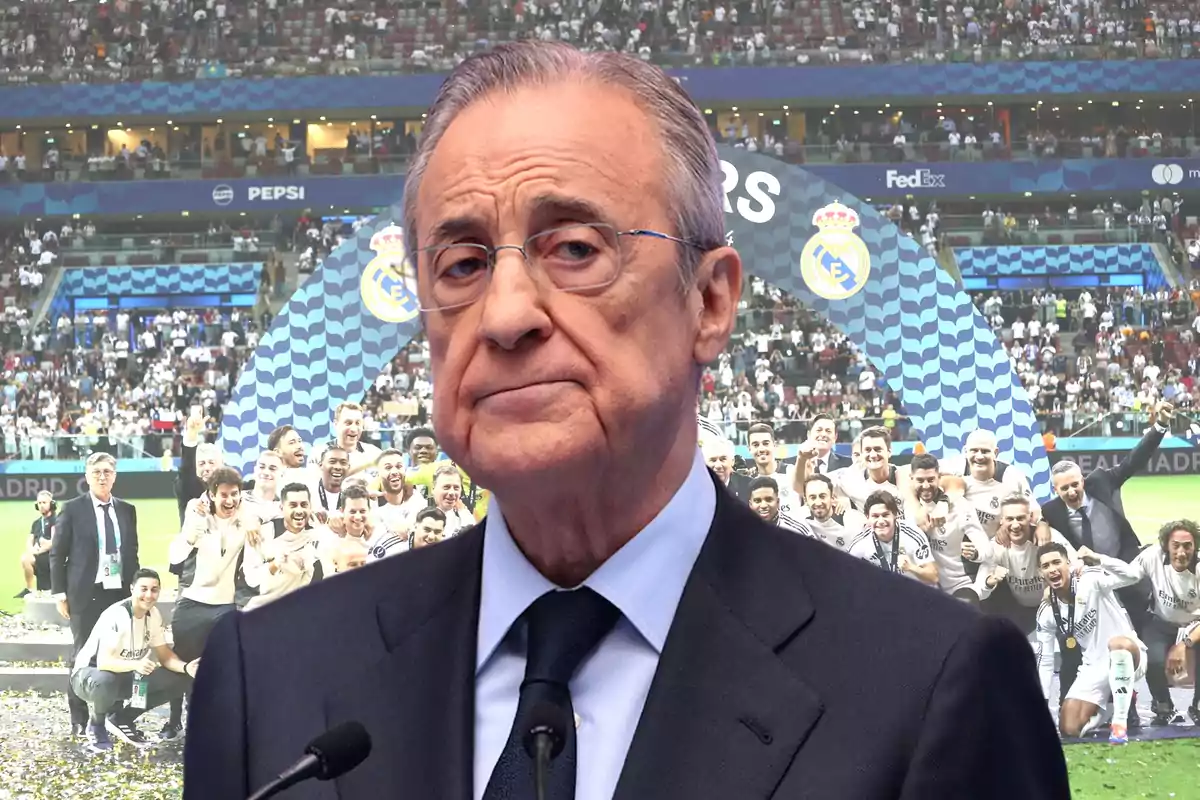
(267,470)
(423,450)
(882,521)
(721,463)
(534,380)
(349,426)
(1069,486)
(391,474)
(819,500)
(981,456)
(145,593)
(875,455)
(428,531)
(226,499)
(43,505)
(100,479)
(1054,569)
(765,503)
(447,490)
(357,509)
(1014,518)
(823,435)
(762,447)
(207,461)
(350,555)
(856,454)
(296,508)
(334,466)
(1181,549)
(291,449)
(925,482)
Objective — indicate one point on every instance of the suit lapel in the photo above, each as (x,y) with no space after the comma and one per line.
(418,701)
(725,715)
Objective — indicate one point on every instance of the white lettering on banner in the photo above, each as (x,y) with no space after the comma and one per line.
(917,179)
(27,488)
(1174,461)
(276,193)
(759,207)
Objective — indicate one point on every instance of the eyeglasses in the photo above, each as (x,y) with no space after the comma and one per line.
(575,258)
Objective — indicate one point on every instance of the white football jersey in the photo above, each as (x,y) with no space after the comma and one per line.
(946,541)
(1021,560)
(854,484)
(836,532)
(788,522)
(1099,615)
(910,542)
(985,496)
(1176,594)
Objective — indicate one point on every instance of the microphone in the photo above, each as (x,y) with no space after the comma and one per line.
(544,740)
(335,752)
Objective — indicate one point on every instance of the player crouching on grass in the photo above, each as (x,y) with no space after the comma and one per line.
(126,666)
(1083,615)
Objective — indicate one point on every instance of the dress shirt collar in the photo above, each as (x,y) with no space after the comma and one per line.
(97,502)
(644,579)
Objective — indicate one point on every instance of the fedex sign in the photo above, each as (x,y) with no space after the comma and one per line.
(917,179)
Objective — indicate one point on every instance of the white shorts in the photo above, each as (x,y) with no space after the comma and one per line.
(1091,683)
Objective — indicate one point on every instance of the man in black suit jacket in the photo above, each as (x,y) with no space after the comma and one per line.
(91,566)
(612,568)
(772,676)
(1107,530)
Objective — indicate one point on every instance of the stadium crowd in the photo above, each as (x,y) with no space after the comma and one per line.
(180,39)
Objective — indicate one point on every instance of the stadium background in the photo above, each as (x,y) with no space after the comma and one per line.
(193,178)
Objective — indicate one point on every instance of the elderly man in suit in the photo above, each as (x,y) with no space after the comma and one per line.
(1088,511)
(92,560)
(564,216)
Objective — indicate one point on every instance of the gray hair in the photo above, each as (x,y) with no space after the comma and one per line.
(1066,465)
(209,450)
(100,458)
(693,174)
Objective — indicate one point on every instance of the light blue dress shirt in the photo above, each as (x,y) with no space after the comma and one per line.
(644,580)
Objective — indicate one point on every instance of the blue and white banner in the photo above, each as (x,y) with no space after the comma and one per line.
(324,194)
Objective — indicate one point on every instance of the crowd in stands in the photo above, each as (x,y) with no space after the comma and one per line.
(60,40)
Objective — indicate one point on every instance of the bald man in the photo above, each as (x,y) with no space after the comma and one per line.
(988,481)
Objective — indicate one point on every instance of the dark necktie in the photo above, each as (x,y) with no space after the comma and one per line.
(563,627)
(820,469)
(1085,529)
(110,530)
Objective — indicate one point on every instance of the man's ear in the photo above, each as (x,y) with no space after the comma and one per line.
(716,290)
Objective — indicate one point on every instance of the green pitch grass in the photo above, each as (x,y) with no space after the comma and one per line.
(1162,769)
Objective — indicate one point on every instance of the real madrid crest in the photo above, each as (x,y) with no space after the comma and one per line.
(835,263)
(389,287)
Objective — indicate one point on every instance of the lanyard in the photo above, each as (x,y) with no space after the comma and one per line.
(145,630)
(1069,630)
(895,549)
(322,496)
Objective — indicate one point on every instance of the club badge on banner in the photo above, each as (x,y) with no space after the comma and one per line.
(797,232)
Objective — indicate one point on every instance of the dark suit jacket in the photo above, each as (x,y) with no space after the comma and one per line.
(75,552)
(188,485)
(791,670)
(1103,485)
(837,462)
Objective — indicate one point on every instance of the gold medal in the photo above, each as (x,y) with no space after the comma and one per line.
(1071,643)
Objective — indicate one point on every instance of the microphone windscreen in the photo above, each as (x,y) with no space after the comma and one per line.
(340,749)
